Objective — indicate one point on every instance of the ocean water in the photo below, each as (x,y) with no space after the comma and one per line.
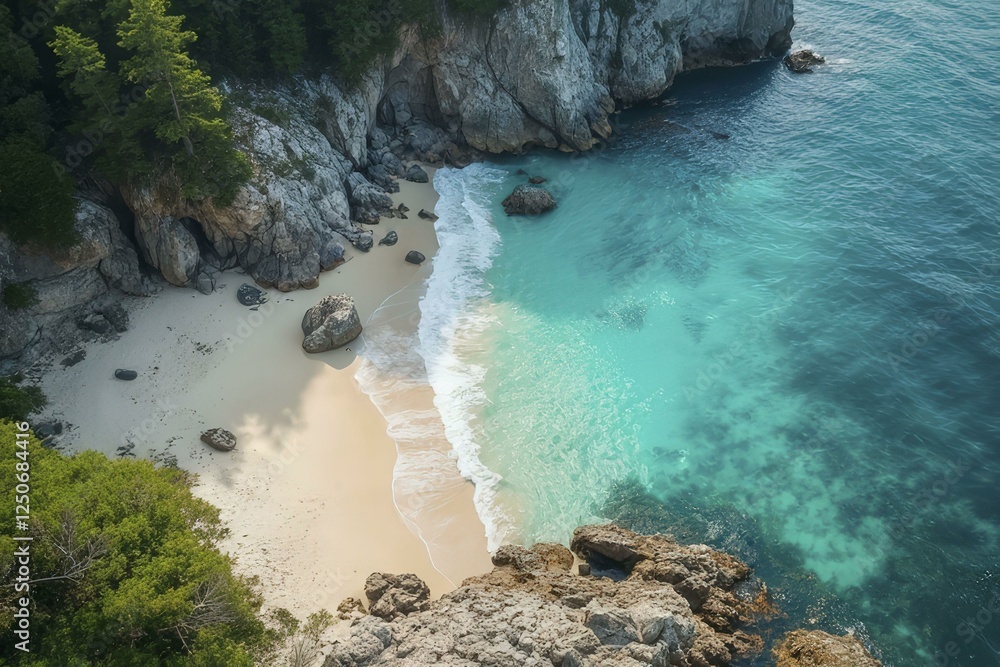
(765,316)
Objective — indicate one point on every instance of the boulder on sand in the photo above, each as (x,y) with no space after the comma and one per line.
(416,174)
(426,215)
(331,323)
(528,200)
(125,374)
(389,239)
(249,295)
(415,257)
(220,439)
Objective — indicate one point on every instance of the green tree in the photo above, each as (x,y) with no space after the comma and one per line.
(285,36)
(181,107)
(125,569)
(18,402)
(84,69)
(36,199)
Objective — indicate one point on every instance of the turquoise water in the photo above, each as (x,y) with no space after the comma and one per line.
(767,316)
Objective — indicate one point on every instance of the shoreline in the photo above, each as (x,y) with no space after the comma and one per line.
(308,494)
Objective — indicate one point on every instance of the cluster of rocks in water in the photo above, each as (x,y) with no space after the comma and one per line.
(802,62)
(637,600)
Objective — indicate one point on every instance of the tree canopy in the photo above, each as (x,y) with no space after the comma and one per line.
(124,566)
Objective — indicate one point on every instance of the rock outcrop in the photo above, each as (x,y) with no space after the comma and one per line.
(528,200)
(815,648)
(79,284)
(665,604)
(331,323)
(325,156)
(802,62)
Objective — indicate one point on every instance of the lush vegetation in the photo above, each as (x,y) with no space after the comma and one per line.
(17,402)
(125,571)
(18,296)
(124,89)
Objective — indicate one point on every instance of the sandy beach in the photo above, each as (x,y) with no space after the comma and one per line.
(308,492)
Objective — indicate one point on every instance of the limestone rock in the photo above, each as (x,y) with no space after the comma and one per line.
(390,596)
(532,610)
(802,62)
(528,200)
(815,648)
(220,439)
(168,245)
(330,324)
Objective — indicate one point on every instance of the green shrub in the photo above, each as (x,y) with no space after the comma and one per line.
(17,403)
(18,296)
(125,566)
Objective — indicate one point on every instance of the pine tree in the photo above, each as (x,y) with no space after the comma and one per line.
(83,67)
(181,106)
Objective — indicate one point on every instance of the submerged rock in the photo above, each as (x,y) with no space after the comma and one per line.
(331,323)
(220,439)
(538,180)
(815,648)
(803,61)
(389,239)
(415,257)
(528,200)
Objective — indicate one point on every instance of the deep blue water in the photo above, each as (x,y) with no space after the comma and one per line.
(766,316)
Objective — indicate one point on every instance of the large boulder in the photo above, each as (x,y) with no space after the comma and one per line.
(331,323)
(219,439)
(815,648)
(391,596)
(528,200)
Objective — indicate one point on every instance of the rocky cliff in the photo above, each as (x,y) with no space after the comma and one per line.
(637,600)
(539,73)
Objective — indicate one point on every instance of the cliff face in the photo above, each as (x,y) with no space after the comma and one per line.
(540,73)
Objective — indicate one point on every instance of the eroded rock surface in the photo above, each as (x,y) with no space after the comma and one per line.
(331,323)
(815,648)
(674,606)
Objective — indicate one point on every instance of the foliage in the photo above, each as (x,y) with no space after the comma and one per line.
(478,7)
(124,566)
(17,402)
(18,296)
(36,203)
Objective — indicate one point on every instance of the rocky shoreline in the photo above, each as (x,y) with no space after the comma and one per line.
(546,73)
(630,600)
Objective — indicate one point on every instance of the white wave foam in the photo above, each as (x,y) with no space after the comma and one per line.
(450,318)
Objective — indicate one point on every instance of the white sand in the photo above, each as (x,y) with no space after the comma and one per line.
(307,493)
